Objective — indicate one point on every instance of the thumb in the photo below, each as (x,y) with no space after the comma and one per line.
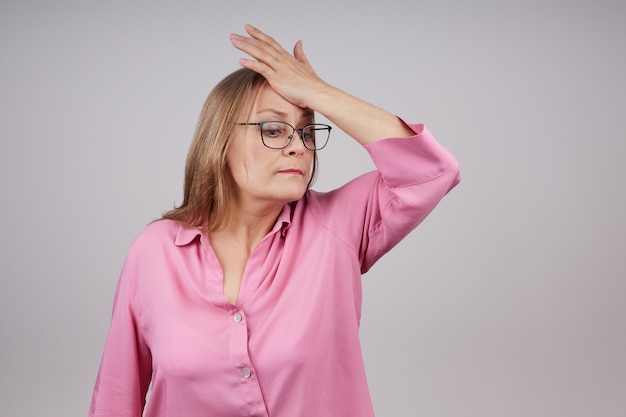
(298,52)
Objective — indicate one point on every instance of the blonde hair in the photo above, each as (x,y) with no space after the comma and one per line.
(208,180)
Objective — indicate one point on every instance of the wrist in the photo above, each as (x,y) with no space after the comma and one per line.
(324,97)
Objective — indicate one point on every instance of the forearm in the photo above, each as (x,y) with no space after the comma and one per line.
(361,120)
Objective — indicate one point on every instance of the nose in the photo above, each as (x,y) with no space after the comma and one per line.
(296,144)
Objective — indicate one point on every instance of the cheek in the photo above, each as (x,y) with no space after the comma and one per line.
(310,160)
(235,161)
(247,162)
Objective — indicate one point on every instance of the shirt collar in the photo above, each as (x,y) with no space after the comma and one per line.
(284,219)
(186,235)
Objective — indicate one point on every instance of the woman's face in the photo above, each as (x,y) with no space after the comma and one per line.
(264,175)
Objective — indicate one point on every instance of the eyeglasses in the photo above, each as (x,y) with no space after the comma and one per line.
(278,135)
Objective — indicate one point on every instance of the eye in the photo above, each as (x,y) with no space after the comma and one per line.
(272,133)
(273,130)
(308,136)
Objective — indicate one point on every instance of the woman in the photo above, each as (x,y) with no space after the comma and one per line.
(246,299)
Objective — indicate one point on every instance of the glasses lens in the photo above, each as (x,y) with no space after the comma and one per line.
(275,134)
(315,137)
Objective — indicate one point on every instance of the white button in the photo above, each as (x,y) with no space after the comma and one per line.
(245,372)
(237,318)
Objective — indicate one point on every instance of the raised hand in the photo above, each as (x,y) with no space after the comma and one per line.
(292,76)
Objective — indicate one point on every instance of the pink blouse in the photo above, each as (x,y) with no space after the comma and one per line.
(290,347)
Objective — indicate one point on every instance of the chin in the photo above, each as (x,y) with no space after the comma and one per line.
(295,195)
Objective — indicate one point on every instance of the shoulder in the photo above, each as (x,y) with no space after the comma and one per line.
(343,204)
(350,191)
(154,237)
(342,207)
(154,251)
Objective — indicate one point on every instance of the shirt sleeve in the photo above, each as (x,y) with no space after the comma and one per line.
(125,370)
(376,211)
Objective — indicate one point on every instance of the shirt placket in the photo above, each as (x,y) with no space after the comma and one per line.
(248,382)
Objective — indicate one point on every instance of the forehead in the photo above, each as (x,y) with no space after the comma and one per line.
(269,103)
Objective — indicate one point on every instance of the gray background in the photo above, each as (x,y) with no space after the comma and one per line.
(509,300)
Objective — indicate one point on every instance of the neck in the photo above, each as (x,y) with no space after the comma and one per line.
(249,226)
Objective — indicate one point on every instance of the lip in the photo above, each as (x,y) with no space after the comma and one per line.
(292,171)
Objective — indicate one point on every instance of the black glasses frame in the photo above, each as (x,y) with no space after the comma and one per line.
(299,130)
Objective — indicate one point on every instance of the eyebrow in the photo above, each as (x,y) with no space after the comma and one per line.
(307,113)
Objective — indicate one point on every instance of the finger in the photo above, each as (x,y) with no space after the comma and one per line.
(260,35)
(257,66)
(298,52)
(256,49)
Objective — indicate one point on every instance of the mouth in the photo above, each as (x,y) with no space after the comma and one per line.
(292,171)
